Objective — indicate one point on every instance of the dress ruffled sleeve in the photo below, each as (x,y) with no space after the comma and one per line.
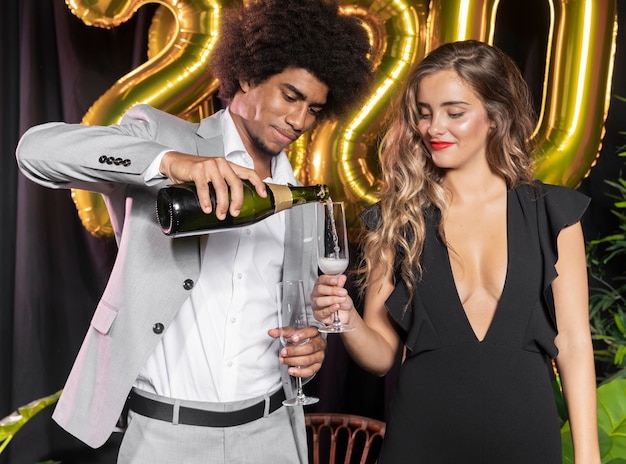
(396,303)
(557,208)
(411,318)
(416,329)
(371,216)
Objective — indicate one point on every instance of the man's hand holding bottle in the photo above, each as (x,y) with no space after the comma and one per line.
(222,174)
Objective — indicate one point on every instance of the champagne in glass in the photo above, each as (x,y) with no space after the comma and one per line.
(332,250)
(292,316)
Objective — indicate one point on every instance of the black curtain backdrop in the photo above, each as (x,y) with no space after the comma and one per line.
(53,271)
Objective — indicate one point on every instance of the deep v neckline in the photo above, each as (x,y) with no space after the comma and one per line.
(460,306)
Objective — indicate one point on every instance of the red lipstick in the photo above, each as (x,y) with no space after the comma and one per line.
(439,145)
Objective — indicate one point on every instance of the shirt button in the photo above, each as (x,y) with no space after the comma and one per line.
(248,231)
(157,328)
(240,275)
(233,320)
(188,284)
(229,364)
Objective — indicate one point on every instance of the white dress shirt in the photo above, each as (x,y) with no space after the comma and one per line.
(217,348)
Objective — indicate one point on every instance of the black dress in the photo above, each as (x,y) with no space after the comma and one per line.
(463,400)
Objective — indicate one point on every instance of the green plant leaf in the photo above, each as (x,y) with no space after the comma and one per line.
(612,416)
(611,424)
(14,421)
(608,238)
(607,296)
(620,320)
(566,444)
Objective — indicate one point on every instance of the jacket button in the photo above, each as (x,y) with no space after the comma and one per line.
(188,284)
(157,328)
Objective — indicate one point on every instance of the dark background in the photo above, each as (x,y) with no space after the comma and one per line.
(53,271)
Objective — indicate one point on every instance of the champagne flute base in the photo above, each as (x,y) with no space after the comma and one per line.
(335,329)
(301,401)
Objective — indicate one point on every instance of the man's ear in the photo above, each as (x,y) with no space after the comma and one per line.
(244,85)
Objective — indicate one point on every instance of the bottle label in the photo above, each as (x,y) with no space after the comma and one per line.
(282,197)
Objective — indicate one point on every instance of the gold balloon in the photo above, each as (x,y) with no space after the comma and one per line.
(174,79)
(577,89)
(453,20)
(579,67)
(343,154)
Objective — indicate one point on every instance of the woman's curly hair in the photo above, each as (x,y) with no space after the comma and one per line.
(411,182)
(268,36)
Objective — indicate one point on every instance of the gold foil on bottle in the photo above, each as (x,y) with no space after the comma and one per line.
(282,197)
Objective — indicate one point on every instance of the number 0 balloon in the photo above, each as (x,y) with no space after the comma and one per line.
(576,90)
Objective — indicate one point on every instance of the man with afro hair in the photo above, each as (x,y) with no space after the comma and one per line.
(185,332)
(267,38)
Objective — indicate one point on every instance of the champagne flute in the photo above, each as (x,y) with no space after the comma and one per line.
(332,250)
(292,317)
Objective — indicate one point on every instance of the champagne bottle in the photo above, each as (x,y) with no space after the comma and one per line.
(179,212)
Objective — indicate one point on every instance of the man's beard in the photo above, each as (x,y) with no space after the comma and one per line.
(261,146)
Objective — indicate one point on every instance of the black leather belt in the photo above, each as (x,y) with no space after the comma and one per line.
(190,416)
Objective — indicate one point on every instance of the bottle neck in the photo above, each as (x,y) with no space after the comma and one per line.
(287,196)
(309,194)
(282,197)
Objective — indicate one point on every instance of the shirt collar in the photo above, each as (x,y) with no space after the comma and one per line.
(235,152)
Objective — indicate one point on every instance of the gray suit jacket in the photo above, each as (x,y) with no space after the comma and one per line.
(153,274)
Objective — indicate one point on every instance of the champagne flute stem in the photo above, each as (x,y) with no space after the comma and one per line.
(299,390)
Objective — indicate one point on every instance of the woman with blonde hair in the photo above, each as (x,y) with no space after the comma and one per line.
(476,270)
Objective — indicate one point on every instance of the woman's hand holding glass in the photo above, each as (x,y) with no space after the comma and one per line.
(332,251)
(330,300)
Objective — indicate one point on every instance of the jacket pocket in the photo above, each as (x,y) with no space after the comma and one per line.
(103,318)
